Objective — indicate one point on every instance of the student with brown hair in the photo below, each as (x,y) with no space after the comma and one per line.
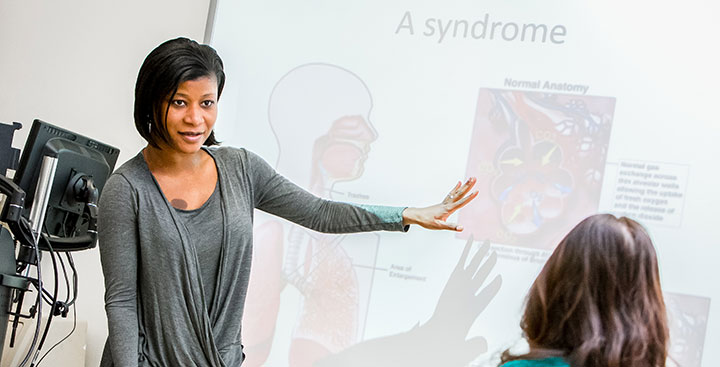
(597,301)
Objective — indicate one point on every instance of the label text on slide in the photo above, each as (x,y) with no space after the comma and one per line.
(483,29)
(547,85)
(651,192)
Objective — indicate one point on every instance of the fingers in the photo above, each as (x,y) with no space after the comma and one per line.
(458,192)
(452,208)
(451,196)
(457,186)
(467,186)
(465,253)
(484,271)
(487,294)
(439,224)
(464,201)
(478,257)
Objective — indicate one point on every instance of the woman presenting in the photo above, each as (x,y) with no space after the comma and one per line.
(175,222)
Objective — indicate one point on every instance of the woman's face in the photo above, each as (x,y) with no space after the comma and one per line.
(191,114)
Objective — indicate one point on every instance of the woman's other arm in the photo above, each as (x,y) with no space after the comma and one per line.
(117,230)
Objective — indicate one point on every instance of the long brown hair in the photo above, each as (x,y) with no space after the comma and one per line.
(597,300)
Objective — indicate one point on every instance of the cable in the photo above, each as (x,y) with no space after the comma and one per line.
(47,297)
(38,301)
(63,339)
(68,304)
(67,281)
(62,224)
(75,278)
(53,307)
(54,304)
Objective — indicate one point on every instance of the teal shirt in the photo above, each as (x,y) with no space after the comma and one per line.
(547,362)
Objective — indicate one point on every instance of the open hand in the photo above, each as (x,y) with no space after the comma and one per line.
(435,216)
(465,296)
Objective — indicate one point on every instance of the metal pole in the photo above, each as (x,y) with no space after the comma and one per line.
(42,195)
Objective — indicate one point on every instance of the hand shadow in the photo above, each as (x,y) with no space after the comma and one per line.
(442,340)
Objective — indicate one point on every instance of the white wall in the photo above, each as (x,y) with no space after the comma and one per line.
(73,63)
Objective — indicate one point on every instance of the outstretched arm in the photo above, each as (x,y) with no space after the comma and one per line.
(277,195)
(435,216)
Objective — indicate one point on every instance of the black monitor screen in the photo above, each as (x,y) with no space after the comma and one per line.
(77,155)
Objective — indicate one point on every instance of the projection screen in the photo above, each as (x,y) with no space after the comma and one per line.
(560,108)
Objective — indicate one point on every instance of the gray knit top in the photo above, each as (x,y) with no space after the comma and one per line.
(203,225)
(154,293)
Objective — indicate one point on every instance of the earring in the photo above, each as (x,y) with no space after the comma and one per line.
(149,122)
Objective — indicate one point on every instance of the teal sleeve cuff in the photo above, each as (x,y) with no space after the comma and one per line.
(387,214)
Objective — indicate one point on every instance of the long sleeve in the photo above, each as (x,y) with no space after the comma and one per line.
(118,242)
(277,195)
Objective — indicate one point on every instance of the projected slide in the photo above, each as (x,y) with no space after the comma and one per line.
(688,317)
(560,109)
(319,115)
(539,158)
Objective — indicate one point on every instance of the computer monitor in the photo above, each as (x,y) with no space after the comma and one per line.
(80,160)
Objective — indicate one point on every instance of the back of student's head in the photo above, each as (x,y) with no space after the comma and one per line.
(597,301)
